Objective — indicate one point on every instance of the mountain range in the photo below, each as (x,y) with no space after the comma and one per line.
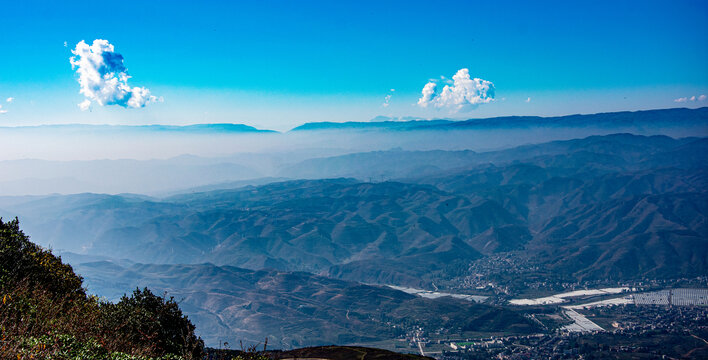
(559,200)
(663,117)
(301,257)
(637,119)
(196,128)
(111,159)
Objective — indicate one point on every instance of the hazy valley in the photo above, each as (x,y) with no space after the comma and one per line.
(290,259)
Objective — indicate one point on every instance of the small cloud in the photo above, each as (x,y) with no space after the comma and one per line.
(684,99)
(65,44)
(85,105)
(528,99)
(2,111)
(463,92)
(10,99)
(104,78)
(387,98)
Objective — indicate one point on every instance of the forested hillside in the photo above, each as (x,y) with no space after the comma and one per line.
(46,313)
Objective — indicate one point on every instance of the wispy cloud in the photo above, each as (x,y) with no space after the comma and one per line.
(387,98)
(462,93)
(10,99)
(2,111)
(701,97)
(528,99)
(104,78)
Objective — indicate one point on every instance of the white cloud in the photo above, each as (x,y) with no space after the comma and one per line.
(85,105)
(528,99)
(463,93)
(103,77)
(10,99)
(684,99)
(428,93)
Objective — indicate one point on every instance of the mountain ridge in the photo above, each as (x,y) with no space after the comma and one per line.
(194,128)
(410,230)
(669,116)
(607,119)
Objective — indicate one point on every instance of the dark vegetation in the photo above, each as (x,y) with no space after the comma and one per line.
(46,313)
(344,353)
(318,352)
(650,345)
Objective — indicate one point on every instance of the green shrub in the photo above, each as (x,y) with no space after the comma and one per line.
(152,322)
(46,314)
(26,262)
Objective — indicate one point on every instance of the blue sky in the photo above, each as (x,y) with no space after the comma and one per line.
(277,64)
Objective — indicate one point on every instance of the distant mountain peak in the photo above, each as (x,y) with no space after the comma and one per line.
(194,128)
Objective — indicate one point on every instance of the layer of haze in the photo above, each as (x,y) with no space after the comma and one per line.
(44,160)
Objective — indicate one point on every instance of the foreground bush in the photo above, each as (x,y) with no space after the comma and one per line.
(153,323)
(46,314)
